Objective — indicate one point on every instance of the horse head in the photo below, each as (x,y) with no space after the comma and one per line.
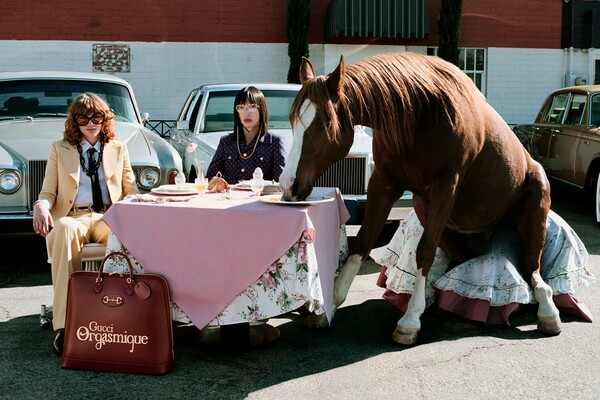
(320,135)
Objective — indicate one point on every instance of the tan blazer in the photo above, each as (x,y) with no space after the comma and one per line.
(61,180)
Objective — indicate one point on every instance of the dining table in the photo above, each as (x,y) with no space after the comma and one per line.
(233,257)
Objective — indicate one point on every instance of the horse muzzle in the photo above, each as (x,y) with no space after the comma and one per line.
(296,191)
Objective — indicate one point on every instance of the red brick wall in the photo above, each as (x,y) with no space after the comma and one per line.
(150,21)
(493,23)
(485,23)
(511,23)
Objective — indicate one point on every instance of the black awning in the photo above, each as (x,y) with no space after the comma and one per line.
(407,19)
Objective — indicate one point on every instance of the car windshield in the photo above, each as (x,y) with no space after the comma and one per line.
(51,98)
(219,109)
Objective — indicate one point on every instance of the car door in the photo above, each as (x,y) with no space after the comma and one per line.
(551,115)
(589,143)
(565,136)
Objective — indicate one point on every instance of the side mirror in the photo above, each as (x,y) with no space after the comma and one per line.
(145,118)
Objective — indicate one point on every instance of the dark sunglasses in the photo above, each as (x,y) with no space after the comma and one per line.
(96,118)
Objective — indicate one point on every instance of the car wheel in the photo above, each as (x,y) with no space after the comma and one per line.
(597,198)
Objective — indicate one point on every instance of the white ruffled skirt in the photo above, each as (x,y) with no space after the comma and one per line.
(488,288)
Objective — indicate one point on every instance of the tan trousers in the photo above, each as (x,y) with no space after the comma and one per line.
(64,243)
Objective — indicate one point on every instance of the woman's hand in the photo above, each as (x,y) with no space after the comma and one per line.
(42,220)
(217,184)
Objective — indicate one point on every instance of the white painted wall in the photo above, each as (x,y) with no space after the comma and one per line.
(518,80)
(162,74)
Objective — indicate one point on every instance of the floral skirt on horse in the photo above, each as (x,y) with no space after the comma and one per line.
(488,288)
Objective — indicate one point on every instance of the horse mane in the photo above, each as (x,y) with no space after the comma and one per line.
(390,92)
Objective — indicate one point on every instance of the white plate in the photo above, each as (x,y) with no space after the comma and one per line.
(185,189)
(276,199)
(268,188)
(242,186)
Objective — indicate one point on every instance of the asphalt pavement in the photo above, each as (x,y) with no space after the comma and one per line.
(354,358)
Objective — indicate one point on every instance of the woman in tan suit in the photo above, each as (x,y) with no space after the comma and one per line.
(87,171)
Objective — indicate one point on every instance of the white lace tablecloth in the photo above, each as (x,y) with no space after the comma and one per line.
(289,283)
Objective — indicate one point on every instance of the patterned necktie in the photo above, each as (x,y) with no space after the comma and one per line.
(96,192)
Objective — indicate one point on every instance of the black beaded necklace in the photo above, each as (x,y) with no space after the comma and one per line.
(96,165)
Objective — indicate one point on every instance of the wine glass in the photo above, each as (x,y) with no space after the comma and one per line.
(201,184)
(257,184)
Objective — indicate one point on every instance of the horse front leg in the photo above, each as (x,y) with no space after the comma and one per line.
(380,200)
(434,216)
(408,327)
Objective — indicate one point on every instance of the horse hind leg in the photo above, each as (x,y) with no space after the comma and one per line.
(548,315)
(531,223)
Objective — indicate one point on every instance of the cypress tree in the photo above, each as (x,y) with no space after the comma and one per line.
(296,27)
(448,26)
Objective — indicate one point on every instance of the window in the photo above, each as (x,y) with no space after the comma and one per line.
(556,111)
(472,62)
(576,110)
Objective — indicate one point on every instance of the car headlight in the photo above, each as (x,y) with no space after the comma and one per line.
(10,181)
(147,177)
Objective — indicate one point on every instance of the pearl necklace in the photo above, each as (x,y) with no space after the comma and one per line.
(245,156)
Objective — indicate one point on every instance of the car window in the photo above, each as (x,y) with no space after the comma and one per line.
(556,111)
(194,114)
(51,98)
(595,110)
(218,115)
(279,103)
(576,113)
(184,114)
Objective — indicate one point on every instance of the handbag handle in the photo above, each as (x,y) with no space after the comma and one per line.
(130,279)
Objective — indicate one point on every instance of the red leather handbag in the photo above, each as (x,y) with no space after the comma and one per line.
(118,322)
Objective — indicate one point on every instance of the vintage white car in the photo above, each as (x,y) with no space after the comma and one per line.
(33,107)
(207,115)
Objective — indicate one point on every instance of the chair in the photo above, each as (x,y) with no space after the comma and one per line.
(92,255)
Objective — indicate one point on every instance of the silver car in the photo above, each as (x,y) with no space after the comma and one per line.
(207,115)
(33,108)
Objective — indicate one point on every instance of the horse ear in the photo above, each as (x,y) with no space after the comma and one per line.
(335,81)
(306,70)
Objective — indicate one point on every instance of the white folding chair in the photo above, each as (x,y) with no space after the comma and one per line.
(92,255)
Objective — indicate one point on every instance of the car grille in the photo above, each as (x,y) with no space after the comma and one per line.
(347,174)
(37,169)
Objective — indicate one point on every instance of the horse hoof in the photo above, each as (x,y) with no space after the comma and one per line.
(550,325)
(316,321)
(406,336)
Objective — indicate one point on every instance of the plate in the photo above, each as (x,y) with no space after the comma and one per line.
(185,189)
(276,199)
(268,188)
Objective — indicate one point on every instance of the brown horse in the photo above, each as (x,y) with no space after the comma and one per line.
(434,134)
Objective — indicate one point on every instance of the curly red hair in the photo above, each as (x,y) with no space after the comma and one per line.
(87,104)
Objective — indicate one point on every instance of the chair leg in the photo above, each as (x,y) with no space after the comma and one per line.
(45,322)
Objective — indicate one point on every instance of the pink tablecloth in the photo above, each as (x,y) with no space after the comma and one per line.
(209,249)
